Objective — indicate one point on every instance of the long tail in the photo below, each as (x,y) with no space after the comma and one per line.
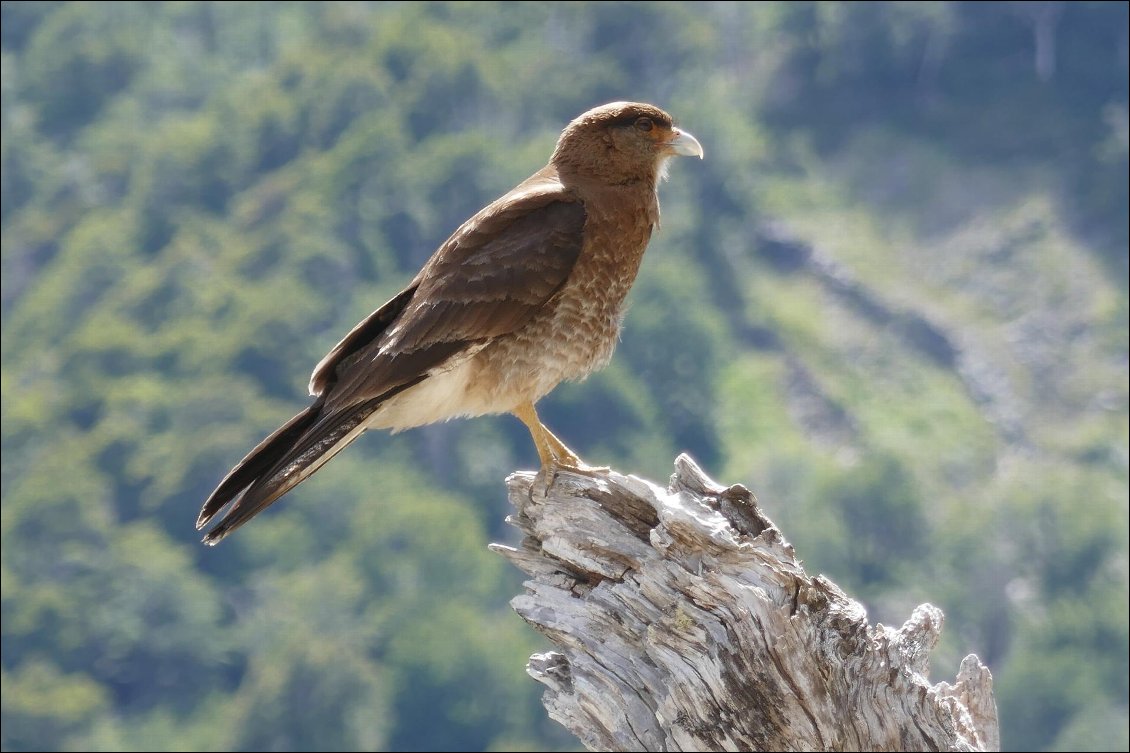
(280,462)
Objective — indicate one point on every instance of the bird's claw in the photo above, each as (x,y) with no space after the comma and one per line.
(547,475)
(584,468)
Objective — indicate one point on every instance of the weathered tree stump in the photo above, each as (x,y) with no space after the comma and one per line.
(683,620)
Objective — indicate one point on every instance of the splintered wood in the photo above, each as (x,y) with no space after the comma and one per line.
(682,620)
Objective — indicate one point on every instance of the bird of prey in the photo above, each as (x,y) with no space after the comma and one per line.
(525,294)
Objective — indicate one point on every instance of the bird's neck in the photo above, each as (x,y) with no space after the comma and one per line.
(597,168)
(615,203)
(619,224)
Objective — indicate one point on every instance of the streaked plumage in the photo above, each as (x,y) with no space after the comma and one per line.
(523,295)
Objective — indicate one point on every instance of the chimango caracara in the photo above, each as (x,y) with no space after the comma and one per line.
(525,294)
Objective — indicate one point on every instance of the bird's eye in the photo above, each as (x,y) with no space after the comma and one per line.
(644,124)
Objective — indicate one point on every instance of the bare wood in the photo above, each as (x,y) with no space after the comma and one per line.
(683,620)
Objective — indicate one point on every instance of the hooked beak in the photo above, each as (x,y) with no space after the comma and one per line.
(684,144)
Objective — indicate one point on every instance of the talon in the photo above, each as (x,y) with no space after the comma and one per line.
(552,452)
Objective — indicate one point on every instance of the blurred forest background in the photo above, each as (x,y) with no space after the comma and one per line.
(892,301)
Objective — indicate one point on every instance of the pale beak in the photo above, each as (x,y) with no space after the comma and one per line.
(684,144)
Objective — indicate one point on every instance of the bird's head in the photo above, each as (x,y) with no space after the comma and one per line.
(620,143)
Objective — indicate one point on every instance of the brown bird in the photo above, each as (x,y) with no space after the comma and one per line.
(525,294)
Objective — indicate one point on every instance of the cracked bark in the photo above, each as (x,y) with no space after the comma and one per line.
(683,620)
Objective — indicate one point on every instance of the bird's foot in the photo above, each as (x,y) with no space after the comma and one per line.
(552,452)
(567,460)
(550,470)
(576,465)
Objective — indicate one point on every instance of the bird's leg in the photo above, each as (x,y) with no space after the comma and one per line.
(527,415)
(568,459)
(551,451)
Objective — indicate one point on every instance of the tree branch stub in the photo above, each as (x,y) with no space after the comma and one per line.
(683,620)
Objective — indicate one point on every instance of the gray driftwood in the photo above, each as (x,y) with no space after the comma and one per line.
(683,620)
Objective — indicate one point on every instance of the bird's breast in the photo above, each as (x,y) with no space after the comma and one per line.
(576,331)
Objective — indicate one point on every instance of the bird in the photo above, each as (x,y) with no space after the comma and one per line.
(527,293)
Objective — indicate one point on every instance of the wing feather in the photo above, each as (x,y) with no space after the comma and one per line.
(487,280)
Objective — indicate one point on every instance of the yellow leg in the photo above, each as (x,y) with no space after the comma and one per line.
(527,415)
(564,455)
(551,451)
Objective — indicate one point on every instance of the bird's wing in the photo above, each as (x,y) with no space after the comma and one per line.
(367,331)
(487,280)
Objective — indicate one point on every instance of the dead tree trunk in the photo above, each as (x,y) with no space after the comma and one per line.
(684,621)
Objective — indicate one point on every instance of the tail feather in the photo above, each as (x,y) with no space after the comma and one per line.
(265,455)
(287,458)
(328,436)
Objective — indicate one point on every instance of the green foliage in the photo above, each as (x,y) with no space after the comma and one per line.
(42,707)
(892,301)
(311,678)
(882,527)
(78,60)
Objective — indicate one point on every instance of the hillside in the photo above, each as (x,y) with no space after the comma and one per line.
(892,301)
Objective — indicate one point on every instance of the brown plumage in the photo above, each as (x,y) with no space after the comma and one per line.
(523,295)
